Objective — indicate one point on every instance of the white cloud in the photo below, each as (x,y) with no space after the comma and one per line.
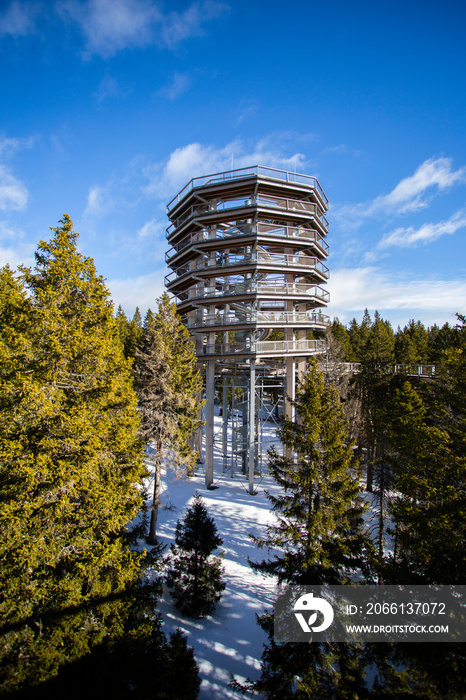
(410,195)
(20,254)
(247,108)
(177,87)
(18,18)
(138,291)
(197,159)
(109,87)
(410,237)
(176,27)
(8,146)
(13,194)
(98,202)
(112,25)
(152,228)
(397,298)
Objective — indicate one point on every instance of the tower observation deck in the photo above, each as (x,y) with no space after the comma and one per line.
(247,252)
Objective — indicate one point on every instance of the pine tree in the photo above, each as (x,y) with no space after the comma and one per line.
(168,387)
(320,540)
(194,576)
(71,463)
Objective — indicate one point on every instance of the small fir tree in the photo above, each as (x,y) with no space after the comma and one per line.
(194,576)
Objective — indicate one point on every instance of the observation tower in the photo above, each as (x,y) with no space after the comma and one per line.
(247,253)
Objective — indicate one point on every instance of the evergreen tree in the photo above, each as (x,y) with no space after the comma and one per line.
(194,576)
(358,334)
(320,521)
(429,514)
(133,335)
(71,463)
(341,337)
(411,344)
(168,387)
(320,539)
(149,320)
(122,324)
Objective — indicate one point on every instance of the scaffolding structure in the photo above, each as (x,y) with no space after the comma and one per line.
(247,253)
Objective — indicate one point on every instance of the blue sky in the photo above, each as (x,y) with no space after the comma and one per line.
(110,106)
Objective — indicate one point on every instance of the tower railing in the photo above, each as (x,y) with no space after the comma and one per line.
(264,201)
(244,317)
(258,258)
(242,173)
(297,232)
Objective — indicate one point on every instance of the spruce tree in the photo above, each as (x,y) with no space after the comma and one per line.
(133,335)
(194,576)
(122,325)
(320,539)
(71,466)
(168,385)
(374,385)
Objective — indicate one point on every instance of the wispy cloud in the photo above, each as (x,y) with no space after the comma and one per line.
(99,201)
(410,237)
(354,289)
(19,18)
(109,87)
(112,25)
(154,228)
(13,249)
(13,194)
(9,146)
(247,108)
(178,26)
(410,195)
(176,87)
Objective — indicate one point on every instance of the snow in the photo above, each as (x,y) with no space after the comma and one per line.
(229,641)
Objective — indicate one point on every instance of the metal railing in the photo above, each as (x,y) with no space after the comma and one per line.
(260,318)
(266,347)
(416,370)
(223,260)
(264,201)
(262,229)
(253,171)
(259,288)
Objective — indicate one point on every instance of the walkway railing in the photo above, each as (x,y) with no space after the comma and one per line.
(223,260)
(261,289)
(409,370)
(262,229)
(256,170)
(294,205)
(261,318)
(273,348)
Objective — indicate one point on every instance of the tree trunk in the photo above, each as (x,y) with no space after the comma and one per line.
(154,511)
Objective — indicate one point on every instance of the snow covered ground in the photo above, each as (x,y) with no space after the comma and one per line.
(230,641)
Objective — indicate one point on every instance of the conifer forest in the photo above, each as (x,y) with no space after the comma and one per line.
(94,405)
